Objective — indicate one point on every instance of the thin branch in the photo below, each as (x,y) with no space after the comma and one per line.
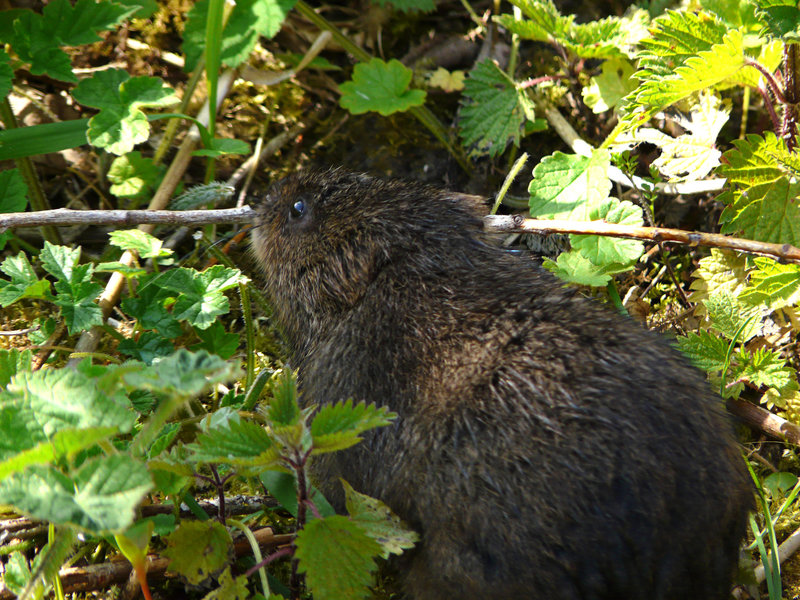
(492,224)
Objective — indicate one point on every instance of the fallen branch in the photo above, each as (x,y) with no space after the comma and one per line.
(492,224)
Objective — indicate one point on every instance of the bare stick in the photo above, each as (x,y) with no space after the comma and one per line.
(125,218)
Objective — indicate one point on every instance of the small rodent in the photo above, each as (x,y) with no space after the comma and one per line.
(546,447)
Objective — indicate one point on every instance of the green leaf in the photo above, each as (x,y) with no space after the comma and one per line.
(283,409)
(380,86)
(75,292)
(337,558)
(202,195)
(606,251)
(121,124)
(378,522)
(761,199)
(42,139)
(17,573)
(201,298)
(216,340)
(197,549)
(723,271)
(781,17)
(494,110)
(134,176)
(147,347)
(230,588)
(220,146)
(146,245)
(13,195)
(706,351)
(249,20)
(183,374)
(148,307)
(59,261)
(6,74)
(566,186)
(773,284)
(765,367)
(607,89)
(573,267)
(99,497)
(13,361)
(337,426)
(728,316)
(235,442)
(410,5)
(734,13)
(283,487)
(23,283)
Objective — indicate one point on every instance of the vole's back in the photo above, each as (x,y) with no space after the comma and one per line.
(546,447)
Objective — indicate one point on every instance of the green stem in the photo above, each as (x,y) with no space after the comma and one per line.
(512,175)
(613,295)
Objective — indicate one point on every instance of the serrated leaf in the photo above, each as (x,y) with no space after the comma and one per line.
(494,110)
(381,87)
(606,251)
(17,573)
(248,21)
(148,308)
(146,245)
(337,558)
(734,13)
(612,85)
(781,17)
(723,271)
(99,497)
(378,522)
(707,69)
(728,316)
(237,443)
(565,186)
(773,284)
(764,367)
(706,351)
(761,201)
(134,176)
(13,361)
(121,124)
(230,588)
(284,409)
(449,82)
(59,261)
(23,284)
(573,267)
(338,426)
(183,374)
(197,549)
(216,340)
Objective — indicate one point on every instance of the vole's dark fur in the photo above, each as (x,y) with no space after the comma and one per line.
(545,446)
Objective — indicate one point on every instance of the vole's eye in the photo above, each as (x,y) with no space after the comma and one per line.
(298,209)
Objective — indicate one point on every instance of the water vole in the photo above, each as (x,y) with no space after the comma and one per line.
(545,446)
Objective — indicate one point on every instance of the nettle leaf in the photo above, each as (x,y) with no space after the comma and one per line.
(248,21)
(707,69)
(183,374)
(410,5)
(201,298)
(13,191)
(764,367)
(381,87)
(134,176)
(723,271)
(734,13)
(121,124)
(197,549)
(606,251)
(23,283)
(284,409)
(338,426)
(728,316)
(706,350)
(565,186)
(607,89)
(13,361)
(99,497)
(37,38)
(146,245)
(235,442)
(781,17)
(378,522)
(68,398)
(337,558)
(773,284)
(761,200)
(494,110)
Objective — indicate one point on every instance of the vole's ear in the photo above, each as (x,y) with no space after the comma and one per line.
(478,204)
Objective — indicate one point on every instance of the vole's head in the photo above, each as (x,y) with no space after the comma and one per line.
(322,237)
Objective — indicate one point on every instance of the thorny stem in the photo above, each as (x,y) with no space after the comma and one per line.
(766,94)
(769,77)
(219,484)
(286,551)
(299,465)
(791,66)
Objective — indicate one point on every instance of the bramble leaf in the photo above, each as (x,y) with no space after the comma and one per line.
(494,110)
(337,558)
(381,87)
